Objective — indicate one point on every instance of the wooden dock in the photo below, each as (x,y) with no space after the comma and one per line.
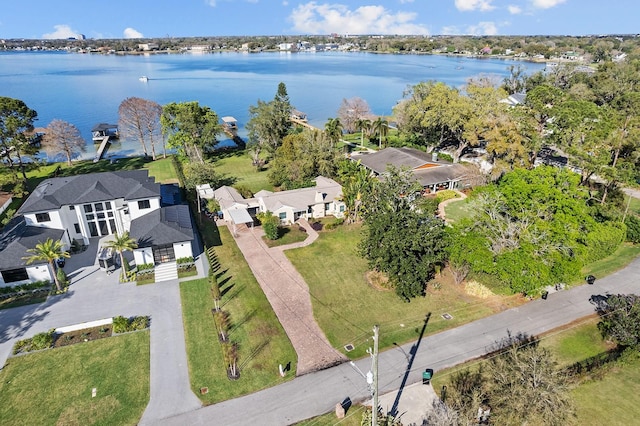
(102,148)
(303,123)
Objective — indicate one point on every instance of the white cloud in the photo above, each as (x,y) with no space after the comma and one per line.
(450,30)
(514,10)
(546,4)
(285,3)
(61,32)
(211,3)
(132,33)
(471,5)
(406,1)
(483,28)
(313,18)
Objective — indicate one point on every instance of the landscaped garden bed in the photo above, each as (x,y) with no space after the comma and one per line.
(80,336)
(66,337)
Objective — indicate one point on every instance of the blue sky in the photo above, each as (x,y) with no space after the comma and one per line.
(184,18)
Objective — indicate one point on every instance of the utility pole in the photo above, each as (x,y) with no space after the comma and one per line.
(374,407)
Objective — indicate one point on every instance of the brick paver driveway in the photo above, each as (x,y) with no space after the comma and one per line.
(288,294)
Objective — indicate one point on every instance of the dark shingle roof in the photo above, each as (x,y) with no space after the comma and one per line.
(54,193)
(17,237)
(398,157)
(426,171)
(166,225)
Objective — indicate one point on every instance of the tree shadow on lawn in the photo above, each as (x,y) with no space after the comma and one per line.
(232,294)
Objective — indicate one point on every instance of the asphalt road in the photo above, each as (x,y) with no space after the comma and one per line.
(317,393)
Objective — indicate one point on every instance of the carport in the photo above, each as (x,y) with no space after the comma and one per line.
(239,216)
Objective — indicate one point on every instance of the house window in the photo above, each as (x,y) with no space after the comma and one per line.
(144,204)
(341,209)
(310,209)
(99,207)
(42,217)
(90,217)
(327,207)
(72,207)
(88,208)
(283,216)
(13,275)
(76,226)
(107,205)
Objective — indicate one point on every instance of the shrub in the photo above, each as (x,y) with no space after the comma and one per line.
(139,323)
(445,195)
(633,229)
(184,262)
(38,342)
(62,277)
(145,268)
(124,325)
(244,191)
(269,224)
(604,240)
(334,224)
(25,287)
(120,324)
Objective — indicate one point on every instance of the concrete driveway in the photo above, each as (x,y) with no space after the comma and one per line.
(94,295)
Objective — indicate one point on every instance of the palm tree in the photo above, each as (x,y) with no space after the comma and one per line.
(365,127)
(380,129)
(333,129)
(120,243)
(49,251)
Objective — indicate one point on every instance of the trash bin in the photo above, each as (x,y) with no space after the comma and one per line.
(545,294)
(590,279)
(426,376)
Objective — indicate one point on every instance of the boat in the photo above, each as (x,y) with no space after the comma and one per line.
(144,79)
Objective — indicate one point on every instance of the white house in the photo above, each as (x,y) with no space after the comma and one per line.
(92,206)
(323,199)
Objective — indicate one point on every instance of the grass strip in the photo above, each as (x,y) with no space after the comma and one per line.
(263,344)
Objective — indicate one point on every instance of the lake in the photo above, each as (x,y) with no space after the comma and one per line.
(86,89)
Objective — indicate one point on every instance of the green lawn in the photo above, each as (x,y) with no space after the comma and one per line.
(163,170)
(353,417)
(346,307)
(634,205)
(576,342)
(262,340)
(54,387)
(610,264)
(612,400)
(457,210)
(237,164)
(287,235)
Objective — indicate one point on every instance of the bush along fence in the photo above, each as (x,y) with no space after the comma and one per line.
(222,319)
(186,266)
(22,289)
(145,271)
(47,340)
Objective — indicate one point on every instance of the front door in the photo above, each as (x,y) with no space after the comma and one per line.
(164,254)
